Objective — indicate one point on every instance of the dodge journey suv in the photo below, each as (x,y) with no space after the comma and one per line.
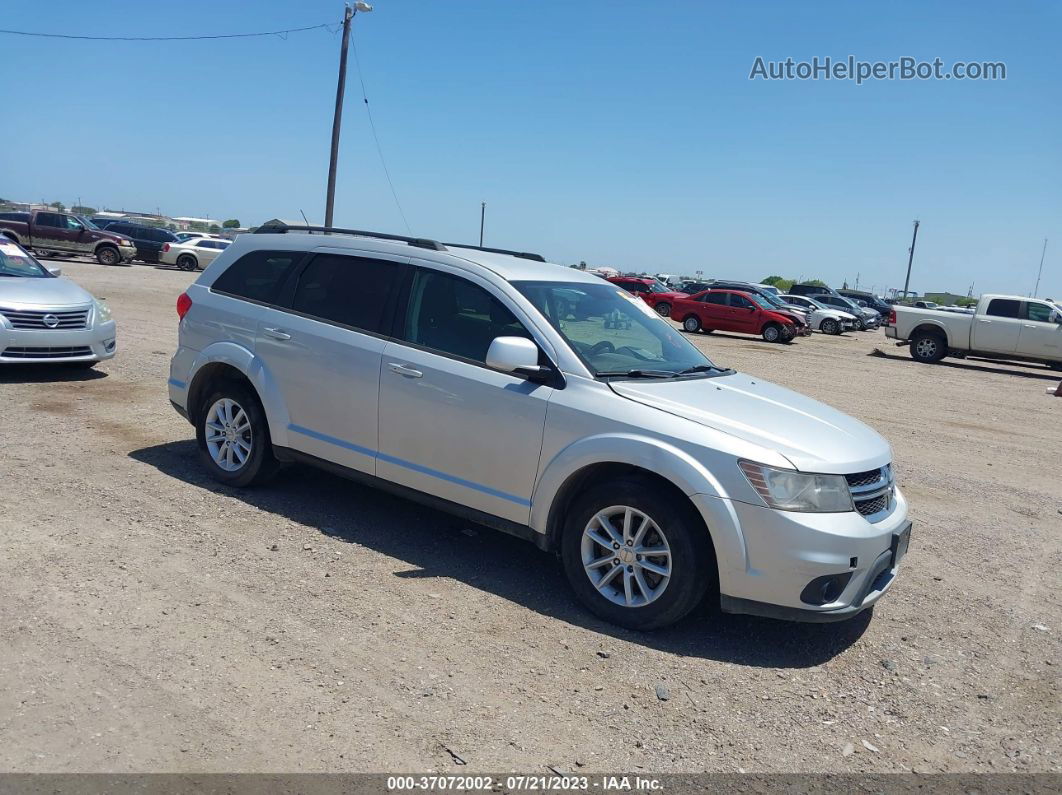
(544,402)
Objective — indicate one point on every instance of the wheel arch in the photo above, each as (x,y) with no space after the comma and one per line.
(227,361)
(930,328)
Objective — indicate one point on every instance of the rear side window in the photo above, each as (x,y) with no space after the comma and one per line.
(350,291)
(451,315)
(1003,307)
(258,276)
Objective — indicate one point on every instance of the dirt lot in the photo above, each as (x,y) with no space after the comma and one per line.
(152,621)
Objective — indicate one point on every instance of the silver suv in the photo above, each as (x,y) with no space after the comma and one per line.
(544,402)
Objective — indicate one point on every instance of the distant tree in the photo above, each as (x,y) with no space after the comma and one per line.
(773,280)
(197,226)
(81,209)
(172,227)
(215,228)
(232,223)
(58,205)
(816,282)
(966,302)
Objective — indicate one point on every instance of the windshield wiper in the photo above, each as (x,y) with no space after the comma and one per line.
(703,368)
(639,373)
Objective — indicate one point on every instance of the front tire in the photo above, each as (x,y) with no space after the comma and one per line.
(928,348)
(664,309)
(108,255)
(665,560)
(772,332)
(830,326)
(692,324)
(233,437)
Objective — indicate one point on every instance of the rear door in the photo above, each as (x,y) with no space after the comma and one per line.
(1040,336)
(998,329)
(449,425)
(324,350)
(715,311)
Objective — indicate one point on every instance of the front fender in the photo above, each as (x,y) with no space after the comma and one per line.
(256,371)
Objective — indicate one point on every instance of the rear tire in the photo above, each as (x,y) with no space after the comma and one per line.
(108,255)
(664,309)
(692,324)
(673,526)
(231,424)
(187,262)
(830,326)
(928,348)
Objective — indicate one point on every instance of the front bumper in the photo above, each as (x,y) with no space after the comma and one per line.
(778,553)
(127,252)
(96,344)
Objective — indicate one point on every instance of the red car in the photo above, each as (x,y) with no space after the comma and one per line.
(651,291)
(730,310)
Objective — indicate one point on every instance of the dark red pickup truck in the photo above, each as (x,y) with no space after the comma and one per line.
(48,230)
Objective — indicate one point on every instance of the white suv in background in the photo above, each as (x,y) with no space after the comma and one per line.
(502,388)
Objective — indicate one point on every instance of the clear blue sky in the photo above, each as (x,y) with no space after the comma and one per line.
(614,132)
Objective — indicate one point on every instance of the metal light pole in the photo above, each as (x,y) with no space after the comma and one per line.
(337,119)
(482,217)
(1040,272)
(910,259)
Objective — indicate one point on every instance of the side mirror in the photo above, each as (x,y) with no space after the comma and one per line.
(54,270)
(516,355)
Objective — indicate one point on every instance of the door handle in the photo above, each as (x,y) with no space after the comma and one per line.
(277,334)
(402,369)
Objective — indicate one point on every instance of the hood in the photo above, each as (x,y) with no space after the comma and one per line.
(840,314)
(813,436)
(24,293)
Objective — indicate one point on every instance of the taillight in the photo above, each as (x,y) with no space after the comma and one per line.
(892,316)
(166,247)
(184,303)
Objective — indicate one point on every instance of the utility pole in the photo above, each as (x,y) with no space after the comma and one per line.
(910,259)
(1041,271)
(482,217)
(337,119)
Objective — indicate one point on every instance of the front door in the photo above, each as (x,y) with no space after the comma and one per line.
(997,330)
(744,315)
(1040,336)
(449,425)
(324,353)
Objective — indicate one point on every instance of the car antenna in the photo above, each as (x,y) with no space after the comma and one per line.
(304,218)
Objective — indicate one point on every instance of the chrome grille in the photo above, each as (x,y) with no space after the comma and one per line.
(46,353)
(35,319)
(872,492)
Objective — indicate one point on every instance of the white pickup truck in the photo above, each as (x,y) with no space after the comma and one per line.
(1002,327)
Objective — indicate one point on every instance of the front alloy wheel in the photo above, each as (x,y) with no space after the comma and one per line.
(664,309)
(626,556)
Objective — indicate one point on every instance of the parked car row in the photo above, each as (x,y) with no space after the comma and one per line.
(748,308)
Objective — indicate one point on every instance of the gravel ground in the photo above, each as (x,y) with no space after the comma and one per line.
(152,621)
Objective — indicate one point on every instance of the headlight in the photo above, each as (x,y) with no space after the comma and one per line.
(789,490)
(103,312)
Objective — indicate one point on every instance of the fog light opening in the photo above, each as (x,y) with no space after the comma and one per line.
(825,589)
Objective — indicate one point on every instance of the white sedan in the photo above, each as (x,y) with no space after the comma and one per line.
(821,317)
(193,254)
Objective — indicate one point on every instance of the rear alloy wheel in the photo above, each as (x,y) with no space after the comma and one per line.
(830,326)
(233,437)
(772,332)
(186,262)
(928,348)
(634,556)
(108,255)
(691,324)
(664,308)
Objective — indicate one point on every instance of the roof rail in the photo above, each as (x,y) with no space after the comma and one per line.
(280,229)
(520,254)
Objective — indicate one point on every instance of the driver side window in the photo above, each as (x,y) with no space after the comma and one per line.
(740,301)
(1038,312)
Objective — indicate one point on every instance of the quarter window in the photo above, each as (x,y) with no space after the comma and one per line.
(1003,307)
(451,315)
(258,276)
(350,291)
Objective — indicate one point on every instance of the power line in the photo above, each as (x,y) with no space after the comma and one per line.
(322,26)
(375,137)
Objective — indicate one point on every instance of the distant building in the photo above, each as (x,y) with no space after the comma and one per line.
(185,223)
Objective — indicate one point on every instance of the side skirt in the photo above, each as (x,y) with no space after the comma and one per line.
(540,540)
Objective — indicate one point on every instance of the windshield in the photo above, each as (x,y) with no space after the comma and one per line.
(762,301)
(773,300)
(16,261)
(88,224)
(614,332)
(655,287)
